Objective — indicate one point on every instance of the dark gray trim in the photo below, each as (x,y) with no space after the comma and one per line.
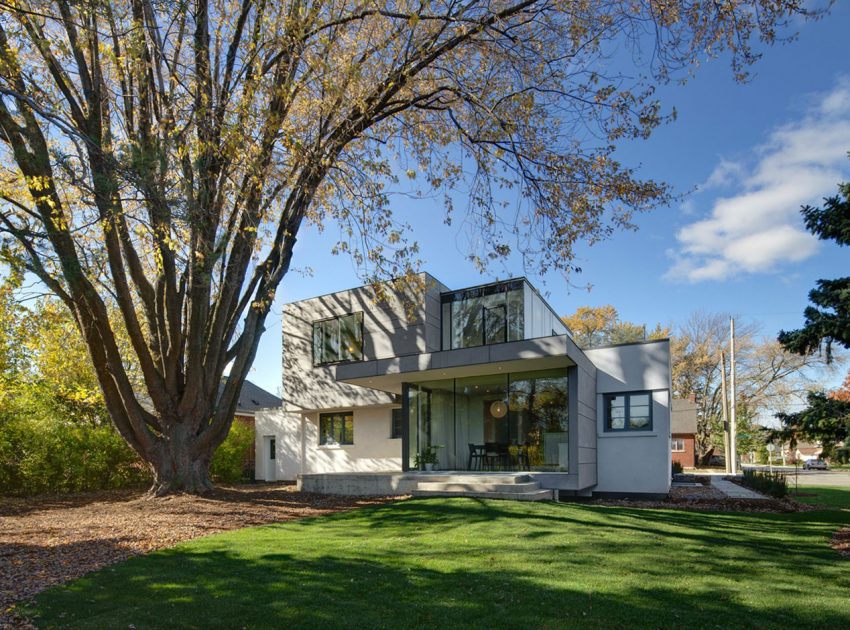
(572,417)
(405,426)
(393,435)
(606,411)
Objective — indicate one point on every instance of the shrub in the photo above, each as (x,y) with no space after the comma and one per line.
(228,461)
(771,483)
(677,468)
(47,456)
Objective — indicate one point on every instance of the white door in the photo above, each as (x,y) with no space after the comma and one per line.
(269,453)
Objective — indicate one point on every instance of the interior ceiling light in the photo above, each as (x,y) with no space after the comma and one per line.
(498,409)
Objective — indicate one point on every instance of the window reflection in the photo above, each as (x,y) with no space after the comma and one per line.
(497,422)
(490,314)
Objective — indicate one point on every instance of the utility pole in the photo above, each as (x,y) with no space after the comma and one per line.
(733,425)
(725,399)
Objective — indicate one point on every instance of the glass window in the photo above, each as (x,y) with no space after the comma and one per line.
(395,424)
(338,339)
(678,445)
(628,412)
(495,324)
(484,315)
(516,314)
(351,337)
(467,323)
(516,421)
(336,428)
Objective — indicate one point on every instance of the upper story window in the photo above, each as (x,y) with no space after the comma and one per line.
(338,339)
(483,315)
(628,412)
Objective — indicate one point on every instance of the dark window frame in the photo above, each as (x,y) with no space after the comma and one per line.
(338,320)
(347,440)
(627,428)
(396,417)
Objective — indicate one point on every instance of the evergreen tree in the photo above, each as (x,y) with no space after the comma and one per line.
(828,319)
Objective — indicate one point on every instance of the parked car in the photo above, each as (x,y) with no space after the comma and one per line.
(815,464)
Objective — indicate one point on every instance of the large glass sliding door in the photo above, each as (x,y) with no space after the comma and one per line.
(431,421)
(515,421)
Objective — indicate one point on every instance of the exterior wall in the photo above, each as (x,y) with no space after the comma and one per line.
(298,450)
(686,458)
(285,427)
(373,449)
(634,461)
(389,329)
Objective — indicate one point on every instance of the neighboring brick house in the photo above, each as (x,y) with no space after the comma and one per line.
(683,429)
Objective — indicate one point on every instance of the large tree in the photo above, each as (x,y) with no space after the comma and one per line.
(161,158)
(828,319)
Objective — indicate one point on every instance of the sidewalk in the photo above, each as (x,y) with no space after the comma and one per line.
(734,491)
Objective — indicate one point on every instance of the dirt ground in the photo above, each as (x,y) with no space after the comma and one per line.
(52,540)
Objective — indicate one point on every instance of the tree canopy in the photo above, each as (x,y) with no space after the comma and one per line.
(157,160)
(601,325)
(828,319)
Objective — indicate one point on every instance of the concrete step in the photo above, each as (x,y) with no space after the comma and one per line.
(465,486)
(503,478)
(534,495)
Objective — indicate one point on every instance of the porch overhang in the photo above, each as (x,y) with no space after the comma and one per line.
(514,356)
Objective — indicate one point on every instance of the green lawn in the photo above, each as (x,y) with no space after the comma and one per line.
(487,564)
(834,497)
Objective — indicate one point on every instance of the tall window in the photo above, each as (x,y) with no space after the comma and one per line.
(628,412)
(395,424)
(338,339)
(483,315)
(336,428)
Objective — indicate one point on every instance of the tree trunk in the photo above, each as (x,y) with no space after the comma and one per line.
(178,467)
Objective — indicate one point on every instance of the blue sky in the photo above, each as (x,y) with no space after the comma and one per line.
(749,154)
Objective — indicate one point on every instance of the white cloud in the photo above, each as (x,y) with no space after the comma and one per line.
(758,228)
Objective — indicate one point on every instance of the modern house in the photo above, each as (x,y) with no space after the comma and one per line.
(683,429)
(485,379)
